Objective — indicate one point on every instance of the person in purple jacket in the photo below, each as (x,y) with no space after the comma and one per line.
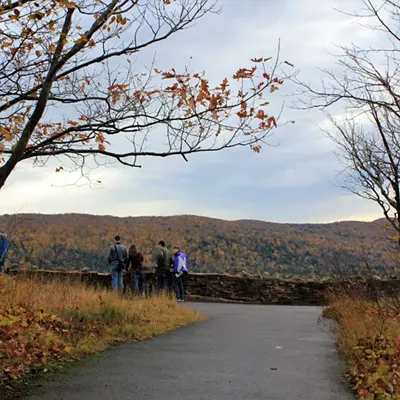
(180,270)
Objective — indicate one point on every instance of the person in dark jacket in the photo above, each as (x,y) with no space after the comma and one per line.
(117,258)
(180,270)
(163,263)
(4,244)
(135,266)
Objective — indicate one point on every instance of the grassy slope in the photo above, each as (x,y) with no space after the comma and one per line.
(45,324)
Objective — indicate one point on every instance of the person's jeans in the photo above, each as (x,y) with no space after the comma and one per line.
(139,281)
(179,288)
(161,280)
(117,278)
(2,263)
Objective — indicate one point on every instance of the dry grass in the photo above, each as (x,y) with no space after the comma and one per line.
(368,336)
(45,322)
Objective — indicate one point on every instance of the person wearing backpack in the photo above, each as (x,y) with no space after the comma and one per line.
(4,244)
(163,263)
(117,258)
(135,266)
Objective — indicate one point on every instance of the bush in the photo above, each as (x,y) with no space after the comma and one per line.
(368,336)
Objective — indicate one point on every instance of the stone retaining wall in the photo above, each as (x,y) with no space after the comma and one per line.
(216,287)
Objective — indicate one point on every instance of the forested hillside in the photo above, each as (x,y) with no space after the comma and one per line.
(77,241)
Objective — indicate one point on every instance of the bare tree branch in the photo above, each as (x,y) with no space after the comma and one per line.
(87,68)
(367,85)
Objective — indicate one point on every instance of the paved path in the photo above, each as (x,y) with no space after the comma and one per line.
(233,355)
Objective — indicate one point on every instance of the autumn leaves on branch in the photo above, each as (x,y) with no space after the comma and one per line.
(68,85)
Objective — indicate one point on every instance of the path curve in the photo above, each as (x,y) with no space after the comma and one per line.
(241,352)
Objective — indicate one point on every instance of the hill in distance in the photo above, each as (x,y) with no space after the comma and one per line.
(76,241)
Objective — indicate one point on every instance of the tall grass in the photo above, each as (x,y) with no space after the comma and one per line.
(43,322)
(368,336)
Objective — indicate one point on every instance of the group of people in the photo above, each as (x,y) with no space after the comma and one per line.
(170,271)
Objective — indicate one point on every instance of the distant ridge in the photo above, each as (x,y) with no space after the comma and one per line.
(212,245)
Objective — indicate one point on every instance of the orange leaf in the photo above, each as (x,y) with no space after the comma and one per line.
(244,73)
(261,114)
(272,121)
(288,63)
(256,148)
(168,75)
(224,84)
(273,88)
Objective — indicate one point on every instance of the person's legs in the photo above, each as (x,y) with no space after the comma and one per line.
(159,281)
(135,281)
(121,282)
(127,285)
(2,262)
(163,281)
(178,285)
(170,281)
(114,278)
(157,277)
(179,288)
(142,281)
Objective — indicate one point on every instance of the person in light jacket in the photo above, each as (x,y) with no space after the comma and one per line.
(180,270)
(117,258)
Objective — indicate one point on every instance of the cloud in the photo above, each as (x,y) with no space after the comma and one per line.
(291,181)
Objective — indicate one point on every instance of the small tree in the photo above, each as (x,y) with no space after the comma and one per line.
(367,136)
(68,86)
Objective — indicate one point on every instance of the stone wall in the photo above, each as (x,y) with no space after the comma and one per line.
(215,287)
(256,290)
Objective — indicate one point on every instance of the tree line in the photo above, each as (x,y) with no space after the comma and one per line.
(81,241)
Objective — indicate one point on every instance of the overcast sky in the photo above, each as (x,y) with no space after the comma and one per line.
(293,181)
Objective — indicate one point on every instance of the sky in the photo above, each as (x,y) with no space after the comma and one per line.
(294,180)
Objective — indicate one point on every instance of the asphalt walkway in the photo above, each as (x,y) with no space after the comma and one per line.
(241,352)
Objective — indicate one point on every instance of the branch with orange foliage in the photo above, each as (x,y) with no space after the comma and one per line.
(68,86)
